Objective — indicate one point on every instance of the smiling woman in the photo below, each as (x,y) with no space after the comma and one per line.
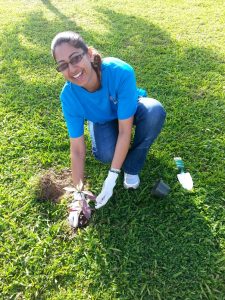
(104,92)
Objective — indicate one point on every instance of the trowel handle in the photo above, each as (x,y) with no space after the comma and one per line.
(179,163)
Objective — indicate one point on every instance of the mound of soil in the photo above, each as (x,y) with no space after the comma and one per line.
(51,185)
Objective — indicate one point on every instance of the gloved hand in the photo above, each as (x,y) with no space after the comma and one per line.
(107,189)
(75,209)
(73,218)
(79,209)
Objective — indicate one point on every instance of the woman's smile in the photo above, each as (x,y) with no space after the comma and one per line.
(78,75)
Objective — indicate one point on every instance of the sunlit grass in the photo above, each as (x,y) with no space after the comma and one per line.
(136,247)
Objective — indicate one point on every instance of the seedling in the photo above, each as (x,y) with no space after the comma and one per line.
(80,210)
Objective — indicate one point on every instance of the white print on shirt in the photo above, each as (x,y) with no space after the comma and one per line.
(114,100)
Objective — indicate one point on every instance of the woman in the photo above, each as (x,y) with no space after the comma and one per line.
(104,92)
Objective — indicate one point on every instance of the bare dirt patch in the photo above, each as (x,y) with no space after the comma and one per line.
(50,185)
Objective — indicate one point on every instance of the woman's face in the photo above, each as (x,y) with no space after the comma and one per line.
(75,65)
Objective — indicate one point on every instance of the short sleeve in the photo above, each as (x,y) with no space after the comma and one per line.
(127,94)
(74,122)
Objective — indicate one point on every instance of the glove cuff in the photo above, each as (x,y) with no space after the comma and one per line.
(112,175)
(117,171)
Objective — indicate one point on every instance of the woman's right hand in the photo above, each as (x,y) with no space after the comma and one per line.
(107,190)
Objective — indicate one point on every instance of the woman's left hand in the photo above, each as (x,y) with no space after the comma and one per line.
(107,190)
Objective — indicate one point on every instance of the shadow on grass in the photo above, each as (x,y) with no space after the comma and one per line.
(144,248)
(56,11)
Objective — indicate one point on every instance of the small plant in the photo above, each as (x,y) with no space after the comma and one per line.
(80,210)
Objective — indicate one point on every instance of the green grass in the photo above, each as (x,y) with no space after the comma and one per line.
(136,247)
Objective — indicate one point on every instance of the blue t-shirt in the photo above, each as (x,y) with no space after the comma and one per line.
(116,99)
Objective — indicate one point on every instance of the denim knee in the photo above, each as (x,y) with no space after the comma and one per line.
(149,120)
(104,157)
(150,112)
(156,114)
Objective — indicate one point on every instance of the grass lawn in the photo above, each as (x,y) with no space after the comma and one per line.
(137,246)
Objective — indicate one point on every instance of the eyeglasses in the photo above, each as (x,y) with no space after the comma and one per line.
(73,61)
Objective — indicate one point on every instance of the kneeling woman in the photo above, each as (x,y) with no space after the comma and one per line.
(104,92)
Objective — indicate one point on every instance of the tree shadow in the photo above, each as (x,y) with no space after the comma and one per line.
(55,10)
(144,248)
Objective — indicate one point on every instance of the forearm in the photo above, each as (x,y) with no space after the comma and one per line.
(77,166)
(122,147)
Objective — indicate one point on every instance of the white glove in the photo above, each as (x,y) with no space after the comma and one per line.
(73,219)
(75,209)
(107,189)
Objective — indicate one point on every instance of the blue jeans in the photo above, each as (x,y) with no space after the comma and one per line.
(148,121)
